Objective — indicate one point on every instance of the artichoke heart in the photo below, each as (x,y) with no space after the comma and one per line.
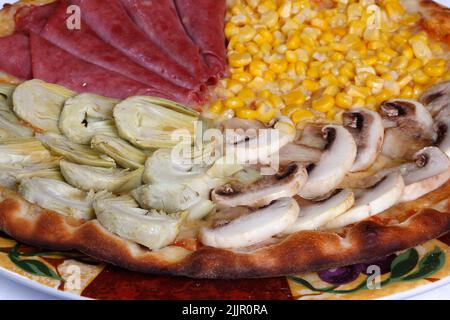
(74,152)
(11,175)
(23,151)
(59,197)
(152,122)
(96,178)
(86,115)
(152,229)
(166,196)
(40,104)
(6,92)
(162,167)
(10,126)
(120,150)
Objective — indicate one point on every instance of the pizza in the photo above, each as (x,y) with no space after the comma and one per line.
(261,138)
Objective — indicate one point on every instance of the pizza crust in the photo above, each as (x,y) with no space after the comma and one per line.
(304,251)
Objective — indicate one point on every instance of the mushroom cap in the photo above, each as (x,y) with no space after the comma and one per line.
(367,129)
(254,227)
(437,98)
(287,183)
(336,161)
(430,170)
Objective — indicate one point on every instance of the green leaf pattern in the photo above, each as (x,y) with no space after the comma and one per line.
(401,269)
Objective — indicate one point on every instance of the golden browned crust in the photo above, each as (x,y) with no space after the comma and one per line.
(301,252)
(435,17)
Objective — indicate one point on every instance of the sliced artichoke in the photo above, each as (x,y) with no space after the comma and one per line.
(166,196)
(86,115)
(10,126)
(120,150)
(23,151)
(11,175)
(96,178)
(74,152)
(150,122)
(6,92)
(161,167)
(153,229)
(40,103)
(59,197)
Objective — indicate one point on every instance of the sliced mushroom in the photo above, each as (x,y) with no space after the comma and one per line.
(430,170)
(10,126)
(86,115)
(442,128)
(372,201)
(336,161)
(293,152)
(122,216)
(312,136)
(317,214)
(437,99)
(11,175)
(96,178)
(286,183)
(260,146)
(409,128)
(23,151)
(254,227)
(367,129)
(59,197)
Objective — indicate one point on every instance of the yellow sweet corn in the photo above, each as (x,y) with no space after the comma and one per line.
(301,114)
(324,104)
(358,53)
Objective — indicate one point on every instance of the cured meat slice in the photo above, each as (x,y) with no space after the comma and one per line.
(160,22)
(33,18)
(204,21)
(111,22)
(53,64)
(85,44)
(15,56)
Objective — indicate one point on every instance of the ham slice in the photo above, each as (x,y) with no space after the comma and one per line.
(111,22)
(15,55)
(160,22)
(54,65)
(85,44)
(33,18)
(204,21)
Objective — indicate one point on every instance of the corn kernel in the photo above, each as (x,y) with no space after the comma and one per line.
(399,63)
(278,66)
(417,91)
(265,113)
(238,60)
(246,34)
(420,77)
(269,19)
(265,94)
(311,85)
(405,80)
(435,68)
(371,102)
(294,42)
(407,93)
(331,90)
(247,95)
(234,102)
(319,23)
(383,96)
(269,76)
(344,100)
(245,113)
(301,114)
(242,76)
(216,107)
(294,98)
(324,104)
(257,68)
(414,64)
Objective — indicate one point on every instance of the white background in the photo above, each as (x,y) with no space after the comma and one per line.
(10,290)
